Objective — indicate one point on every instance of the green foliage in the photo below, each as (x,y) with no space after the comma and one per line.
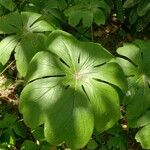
(118,4)
(61,4)
(51,10)
(139,10)
(137,70)
(8,4)
(29,145)
(7,121)
(92,145)
(9,128)
(117,139)
(143,136)
(71,89)
(142,6)
(88,11)
(5,83)
(27,39)
(13,132)
(1,67)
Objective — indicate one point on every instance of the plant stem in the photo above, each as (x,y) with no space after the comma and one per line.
(7,67)
(92,37)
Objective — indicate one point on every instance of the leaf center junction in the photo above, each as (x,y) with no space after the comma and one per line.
(78,76)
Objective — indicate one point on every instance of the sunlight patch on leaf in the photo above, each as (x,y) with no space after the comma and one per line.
(62,92)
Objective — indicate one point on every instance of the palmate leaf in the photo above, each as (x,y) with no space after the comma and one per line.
(89,11)
(71,90)
(27,39)
(137,70)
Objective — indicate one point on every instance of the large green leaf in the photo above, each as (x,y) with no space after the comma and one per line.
(28,38)
(71,90)
(143,136)
(136,66)
(137,71)
(89,11)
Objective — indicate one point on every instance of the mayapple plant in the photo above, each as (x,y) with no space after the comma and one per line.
(72,88)
(26,37)
(89,11)
(136,67)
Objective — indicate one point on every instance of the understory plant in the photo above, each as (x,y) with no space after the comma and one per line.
(51,10)
(89,11)
(72,88)
(136,65)
(11,130)
(7,5)
(138,12)
(25,37)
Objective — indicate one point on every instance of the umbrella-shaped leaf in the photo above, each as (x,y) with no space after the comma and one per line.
(136,67)
(66,90)
(27,40)
(89,11)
